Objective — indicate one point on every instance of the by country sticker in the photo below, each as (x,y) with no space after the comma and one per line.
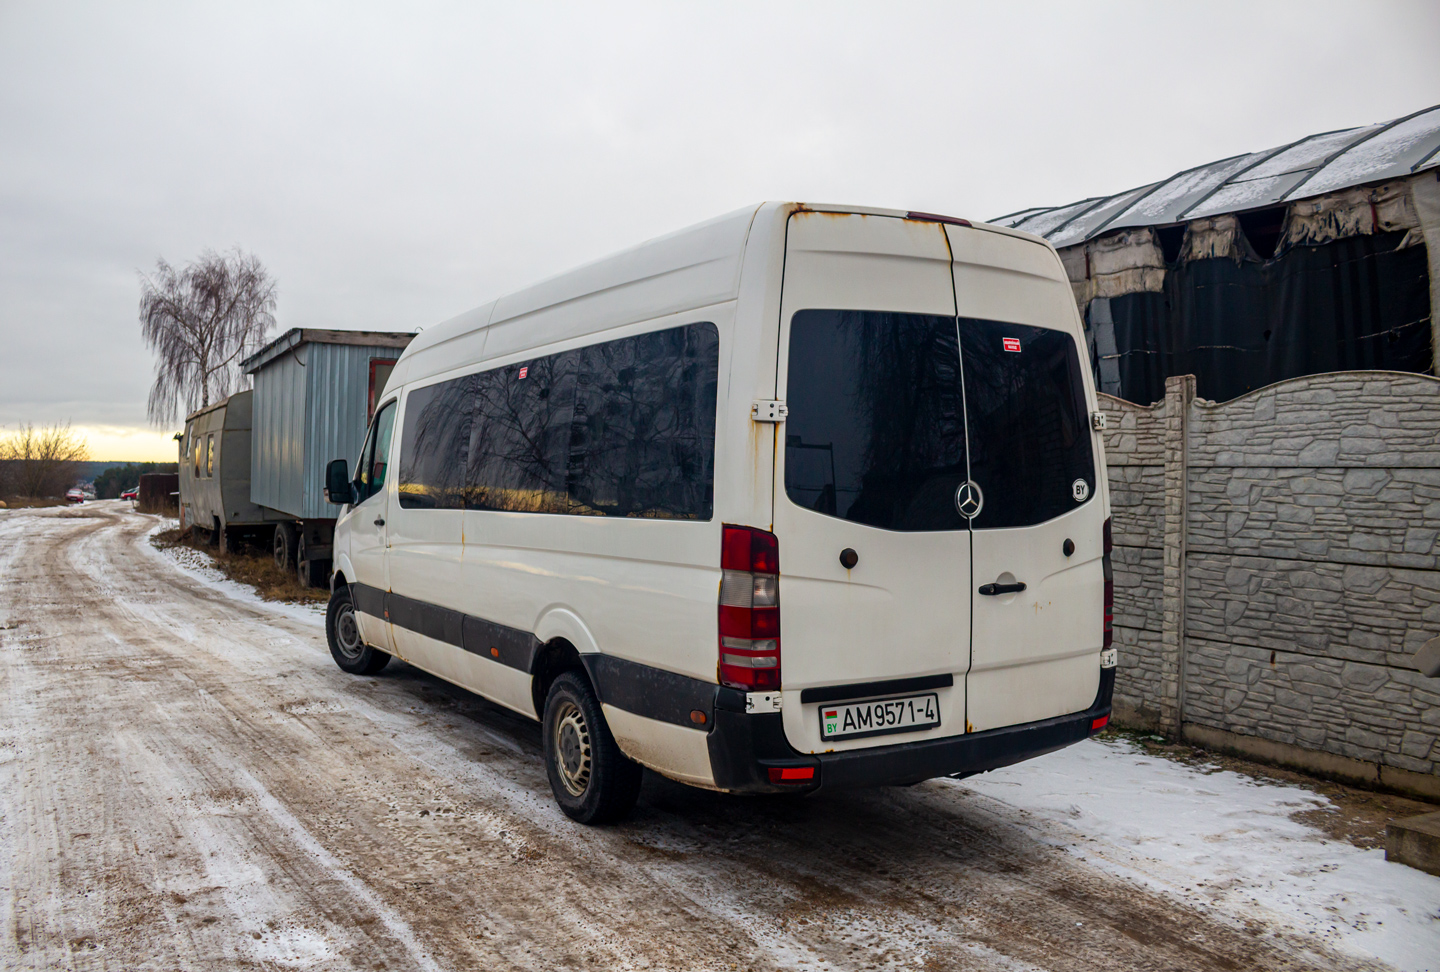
(1010,344)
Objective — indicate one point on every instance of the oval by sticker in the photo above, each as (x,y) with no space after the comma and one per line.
(1080,489)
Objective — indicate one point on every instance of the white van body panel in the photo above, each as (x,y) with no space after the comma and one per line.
(674,751)
(1032,654)
(496,682)
(904,610)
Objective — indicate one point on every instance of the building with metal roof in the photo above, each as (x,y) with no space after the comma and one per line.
(1320,254)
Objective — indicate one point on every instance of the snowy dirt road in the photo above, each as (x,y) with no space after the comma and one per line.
(188,782)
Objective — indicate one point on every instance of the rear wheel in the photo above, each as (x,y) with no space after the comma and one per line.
(347,646)
(592,779)
(284,546)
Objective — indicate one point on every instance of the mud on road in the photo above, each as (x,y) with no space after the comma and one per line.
(188,782)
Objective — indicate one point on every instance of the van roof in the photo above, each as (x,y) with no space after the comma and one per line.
(693,267)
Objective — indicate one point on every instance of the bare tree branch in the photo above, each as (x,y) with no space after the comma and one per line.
(40,462)
(201,321)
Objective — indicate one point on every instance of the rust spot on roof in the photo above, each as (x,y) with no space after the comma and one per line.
(936,218)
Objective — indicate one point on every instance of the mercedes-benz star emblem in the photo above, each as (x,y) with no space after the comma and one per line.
(969,500)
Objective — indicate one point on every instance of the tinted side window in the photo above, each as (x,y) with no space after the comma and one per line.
(520,436)
(376,460)
(435,444)
(642,442)
(876,430)
(1029,431)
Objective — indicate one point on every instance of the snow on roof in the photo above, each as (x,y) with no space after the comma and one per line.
(1308,167)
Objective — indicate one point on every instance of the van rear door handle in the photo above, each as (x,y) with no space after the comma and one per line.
(990,590)
(380,521)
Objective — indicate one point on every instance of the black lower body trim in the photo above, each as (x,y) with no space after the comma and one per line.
(651,692)
(743,748)
(511,647)
(975,752)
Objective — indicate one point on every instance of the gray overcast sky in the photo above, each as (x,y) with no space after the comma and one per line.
(394,165)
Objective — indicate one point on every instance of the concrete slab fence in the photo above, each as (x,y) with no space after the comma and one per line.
(1277,568)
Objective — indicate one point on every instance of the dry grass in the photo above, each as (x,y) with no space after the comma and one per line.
(250,566)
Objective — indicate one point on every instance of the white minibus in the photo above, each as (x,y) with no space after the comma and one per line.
(801,498)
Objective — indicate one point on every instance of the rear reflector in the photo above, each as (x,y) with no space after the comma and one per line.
(791,774)
(1095,726)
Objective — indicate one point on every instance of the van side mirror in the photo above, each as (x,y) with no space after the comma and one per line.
(338,489)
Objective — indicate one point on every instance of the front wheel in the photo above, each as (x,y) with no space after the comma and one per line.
(347,647)
(592,779)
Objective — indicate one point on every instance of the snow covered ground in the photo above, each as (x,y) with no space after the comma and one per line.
(199,566)
(300,795)
(1222,841)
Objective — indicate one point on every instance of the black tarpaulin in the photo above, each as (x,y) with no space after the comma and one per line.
(1354,303)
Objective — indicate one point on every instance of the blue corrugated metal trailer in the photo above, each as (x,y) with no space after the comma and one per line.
(314,391)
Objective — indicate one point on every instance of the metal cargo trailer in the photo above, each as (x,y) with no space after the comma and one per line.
(214,477)
(314,391)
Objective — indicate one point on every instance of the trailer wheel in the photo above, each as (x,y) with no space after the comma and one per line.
(310,573)
(284,546)
(347,645)
(592,779)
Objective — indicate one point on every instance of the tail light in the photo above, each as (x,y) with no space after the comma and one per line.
(749,609)
(1109,588)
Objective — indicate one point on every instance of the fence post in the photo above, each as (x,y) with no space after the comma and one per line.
(1179,394)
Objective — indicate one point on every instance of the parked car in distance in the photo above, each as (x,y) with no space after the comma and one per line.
(76,495)
(592,501)
(131,494)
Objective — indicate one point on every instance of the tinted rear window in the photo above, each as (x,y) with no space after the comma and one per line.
(876,432)
(877,429)
(1029,431)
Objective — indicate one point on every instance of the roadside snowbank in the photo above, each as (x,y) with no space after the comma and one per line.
(199,567)
(1222,842)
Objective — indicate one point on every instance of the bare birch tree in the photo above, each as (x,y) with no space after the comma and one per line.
(201,321)
(41,462)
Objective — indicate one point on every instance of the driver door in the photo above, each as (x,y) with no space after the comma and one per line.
(368,534)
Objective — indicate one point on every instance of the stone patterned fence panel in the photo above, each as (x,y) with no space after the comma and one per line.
(1301,522)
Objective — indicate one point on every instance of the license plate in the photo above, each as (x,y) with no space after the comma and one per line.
(874,717)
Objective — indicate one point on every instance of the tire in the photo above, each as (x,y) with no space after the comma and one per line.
(592,779)
(310,573)
(283,548)
(347,645)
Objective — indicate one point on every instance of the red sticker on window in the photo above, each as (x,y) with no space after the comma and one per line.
(526,370)
(1011,344)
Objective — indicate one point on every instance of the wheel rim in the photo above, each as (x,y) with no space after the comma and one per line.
(572,748)
(282,549)
(347,632)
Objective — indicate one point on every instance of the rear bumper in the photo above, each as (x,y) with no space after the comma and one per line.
(744,747)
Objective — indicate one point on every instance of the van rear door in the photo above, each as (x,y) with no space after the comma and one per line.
(874,453)
(1034,652)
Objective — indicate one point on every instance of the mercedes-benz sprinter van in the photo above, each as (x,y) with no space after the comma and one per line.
(801,498)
